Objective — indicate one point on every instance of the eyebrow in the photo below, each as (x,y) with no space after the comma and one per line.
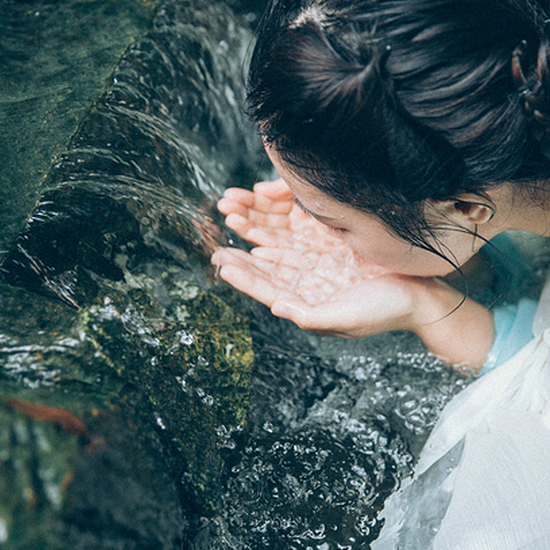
(313,214)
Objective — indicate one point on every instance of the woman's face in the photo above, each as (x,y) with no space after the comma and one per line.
(369,237)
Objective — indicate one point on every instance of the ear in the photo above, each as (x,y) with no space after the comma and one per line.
(466,210)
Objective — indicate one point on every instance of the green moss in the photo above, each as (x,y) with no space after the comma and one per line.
(195,373)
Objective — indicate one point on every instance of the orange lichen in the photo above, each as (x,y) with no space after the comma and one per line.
(55,415)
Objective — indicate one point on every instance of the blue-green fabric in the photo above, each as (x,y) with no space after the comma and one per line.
(513,330)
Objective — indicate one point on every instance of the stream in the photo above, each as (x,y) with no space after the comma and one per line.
(143,403)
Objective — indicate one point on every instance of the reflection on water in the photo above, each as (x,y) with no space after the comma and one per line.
(209,424)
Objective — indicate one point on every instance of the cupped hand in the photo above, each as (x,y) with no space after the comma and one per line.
(306,272)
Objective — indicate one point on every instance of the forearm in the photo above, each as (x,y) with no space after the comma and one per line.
(461,336)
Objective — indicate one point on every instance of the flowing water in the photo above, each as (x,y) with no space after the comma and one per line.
(169,411)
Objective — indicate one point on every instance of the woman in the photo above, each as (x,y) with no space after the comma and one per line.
(408,133)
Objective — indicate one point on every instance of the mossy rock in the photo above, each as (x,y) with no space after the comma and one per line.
(195,375)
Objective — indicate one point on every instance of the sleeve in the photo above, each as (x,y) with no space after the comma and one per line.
(513,330)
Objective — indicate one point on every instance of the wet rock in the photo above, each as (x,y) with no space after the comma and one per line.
(126,373)
(48,89)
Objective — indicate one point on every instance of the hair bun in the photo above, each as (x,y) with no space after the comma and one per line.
(533,86)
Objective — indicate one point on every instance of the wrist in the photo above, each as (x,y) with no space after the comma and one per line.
(430,301)
(458,330)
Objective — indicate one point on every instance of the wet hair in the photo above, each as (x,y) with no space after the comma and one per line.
(384,104)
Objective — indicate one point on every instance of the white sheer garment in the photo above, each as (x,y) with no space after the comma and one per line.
(483,478)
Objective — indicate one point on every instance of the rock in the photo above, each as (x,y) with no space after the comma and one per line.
(126,372)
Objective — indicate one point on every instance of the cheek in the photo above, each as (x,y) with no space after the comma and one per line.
(379,249)
(376,246)
(399,257)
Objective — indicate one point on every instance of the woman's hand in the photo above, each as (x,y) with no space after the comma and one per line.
(306,272)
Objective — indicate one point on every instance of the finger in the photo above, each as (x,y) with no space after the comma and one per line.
(299,313)
(256,235)
(282,275)
(235,256)
(240,258)
(224,255)
(253,283)
(257,218)
(277,190)
(287,256)
(229,206)
(325,319)
(261,203)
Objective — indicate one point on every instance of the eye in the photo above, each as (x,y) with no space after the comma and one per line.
(338,229)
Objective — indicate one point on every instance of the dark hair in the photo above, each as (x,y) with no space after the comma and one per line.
(383,104)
